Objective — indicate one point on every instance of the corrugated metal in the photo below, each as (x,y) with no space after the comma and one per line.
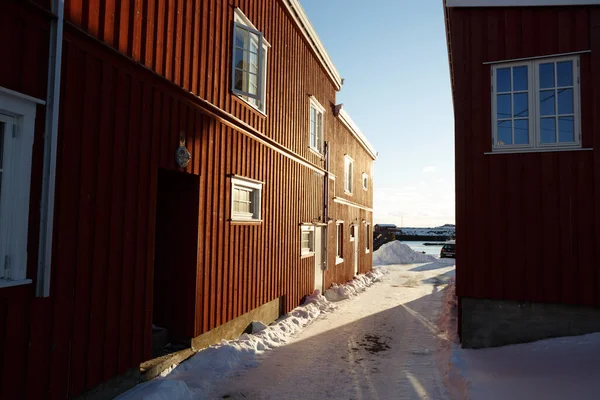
(527,224)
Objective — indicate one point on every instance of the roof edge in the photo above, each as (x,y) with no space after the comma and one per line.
(301,19)
(357,133)
(518,3)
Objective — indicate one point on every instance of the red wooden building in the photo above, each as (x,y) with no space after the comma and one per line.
(526,90)
(179,163)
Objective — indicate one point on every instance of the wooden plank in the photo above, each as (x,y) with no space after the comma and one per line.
(117,235)
(90,100)
(101,228)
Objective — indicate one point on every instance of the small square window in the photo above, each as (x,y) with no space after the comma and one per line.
(245,199)
(307,240)
(348,174)
(339,242)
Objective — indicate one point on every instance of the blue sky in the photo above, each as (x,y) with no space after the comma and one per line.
(392,55)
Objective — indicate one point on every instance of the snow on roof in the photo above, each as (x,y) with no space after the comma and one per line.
(356,132)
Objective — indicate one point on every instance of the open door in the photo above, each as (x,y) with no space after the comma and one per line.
(175,258)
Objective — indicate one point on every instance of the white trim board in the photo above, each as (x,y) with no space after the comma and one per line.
(301,19)
(518,3)
(356,132)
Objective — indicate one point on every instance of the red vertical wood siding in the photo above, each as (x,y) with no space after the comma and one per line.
(527,224)
(189,41)
(119,123)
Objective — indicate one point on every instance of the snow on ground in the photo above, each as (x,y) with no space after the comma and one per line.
(551,369)
(399,253)
(193,378)
(379,345)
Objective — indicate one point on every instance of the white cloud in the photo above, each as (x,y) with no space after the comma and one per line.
(430,169)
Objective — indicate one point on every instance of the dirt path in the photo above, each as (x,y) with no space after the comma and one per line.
(380,345)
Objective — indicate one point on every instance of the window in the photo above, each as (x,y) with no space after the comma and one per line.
(352,232)
(249,69)
(316,125)
(17,118)
(245,199)
(365,181)
(307,240)
(536,104)
(339,242)
(348,172)
(368,238)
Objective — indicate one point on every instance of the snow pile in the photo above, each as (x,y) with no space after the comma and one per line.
(399,253)
(193,378)
(355,286)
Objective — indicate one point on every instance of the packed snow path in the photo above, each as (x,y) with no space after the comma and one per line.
(379,345)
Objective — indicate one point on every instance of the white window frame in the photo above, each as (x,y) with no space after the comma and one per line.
(352,232)
(533,92)
(365,181)
(348,174)
(17,111)
(257,101)
(319,141)
(255,188)
(339,242)
(368,239)
(307,251)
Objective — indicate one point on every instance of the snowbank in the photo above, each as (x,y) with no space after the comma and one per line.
(551,369)
(399,253)
(192,379)
(355,286)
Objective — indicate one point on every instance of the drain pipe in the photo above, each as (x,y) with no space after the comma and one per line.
(50,146)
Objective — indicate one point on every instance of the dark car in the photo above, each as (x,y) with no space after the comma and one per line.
(448,250)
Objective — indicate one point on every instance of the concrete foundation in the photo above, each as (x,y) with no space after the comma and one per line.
(266,314)
(490,323)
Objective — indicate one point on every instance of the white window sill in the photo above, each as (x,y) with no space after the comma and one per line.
(367,251)
(306,255)
(338,260)
(245,221)
(365,189)
(315,151)
(352,239)
(8,283)
(537,150)
(347,192)
(254,107)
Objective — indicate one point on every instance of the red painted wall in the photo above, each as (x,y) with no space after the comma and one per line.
(528,225)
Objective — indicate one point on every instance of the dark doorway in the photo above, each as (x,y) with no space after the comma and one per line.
(175,261)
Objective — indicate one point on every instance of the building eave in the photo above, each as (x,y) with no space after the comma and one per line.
(302,21)
(356,132)
(519,3)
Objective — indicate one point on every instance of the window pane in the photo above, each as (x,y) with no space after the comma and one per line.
(566,133)
(253,63)
(546,75)
(239,59)
(253,84)
(565,101)
(521,108)
(503,80)
(548,130)
(547,102)
(521,131)
(564,72)
(241,37)
(520,78)
(504,132)
(503,106)
(239,80)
